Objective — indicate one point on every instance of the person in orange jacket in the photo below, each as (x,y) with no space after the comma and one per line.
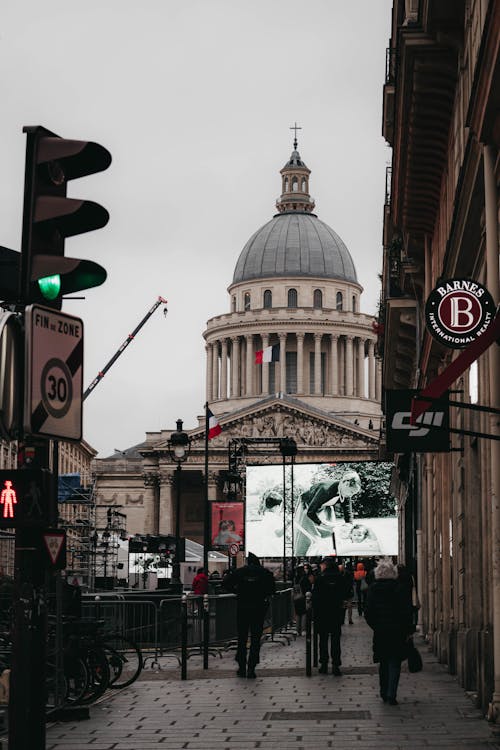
(361,586)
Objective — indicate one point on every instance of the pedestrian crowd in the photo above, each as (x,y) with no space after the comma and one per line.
(382,592)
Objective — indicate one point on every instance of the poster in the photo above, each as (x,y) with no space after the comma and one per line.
(343,508)
(227,525)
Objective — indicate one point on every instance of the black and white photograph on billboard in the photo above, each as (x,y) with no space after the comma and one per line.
(343,508)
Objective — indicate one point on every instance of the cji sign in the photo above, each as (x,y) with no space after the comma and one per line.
(26,498)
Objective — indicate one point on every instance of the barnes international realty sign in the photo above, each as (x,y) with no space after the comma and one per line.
(458,311)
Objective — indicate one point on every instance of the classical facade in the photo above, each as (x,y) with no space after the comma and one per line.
(294,288)
(441,117)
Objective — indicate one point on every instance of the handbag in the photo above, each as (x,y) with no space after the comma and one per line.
(415,663)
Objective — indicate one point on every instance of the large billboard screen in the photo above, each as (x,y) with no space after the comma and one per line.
(343,508)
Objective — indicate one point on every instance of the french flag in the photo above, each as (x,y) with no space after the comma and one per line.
(269,354)
(214,427)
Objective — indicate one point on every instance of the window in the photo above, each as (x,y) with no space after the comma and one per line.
(295,184)
(291,372)
(246,302)
(353,303)
(340,301)
(292,298)
(233,304)
(268,299)
(318,299)
(286,185)
(304,185)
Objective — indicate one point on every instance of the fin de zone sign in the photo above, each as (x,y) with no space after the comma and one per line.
(54,374)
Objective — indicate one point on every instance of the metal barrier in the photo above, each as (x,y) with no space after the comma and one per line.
(180,627)
(136,620)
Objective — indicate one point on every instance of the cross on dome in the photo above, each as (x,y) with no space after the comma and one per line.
(295,128)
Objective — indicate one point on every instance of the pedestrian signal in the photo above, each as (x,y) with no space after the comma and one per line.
(26,498)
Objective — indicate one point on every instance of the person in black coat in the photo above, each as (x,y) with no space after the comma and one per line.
(253,586)
(388,612)
(330,591)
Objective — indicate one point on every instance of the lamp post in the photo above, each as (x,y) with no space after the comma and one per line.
(178,445)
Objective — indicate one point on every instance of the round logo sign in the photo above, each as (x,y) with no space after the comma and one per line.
(458,311)
(234,549)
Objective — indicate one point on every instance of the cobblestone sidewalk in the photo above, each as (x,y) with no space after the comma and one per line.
(282,708)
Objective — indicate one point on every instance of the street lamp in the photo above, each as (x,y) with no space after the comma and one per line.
(178,445)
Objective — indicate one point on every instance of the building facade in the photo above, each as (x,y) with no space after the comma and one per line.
(294,289)
(441,117)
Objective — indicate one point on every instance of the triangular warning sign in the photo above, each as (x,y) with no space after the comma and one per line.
(54,541)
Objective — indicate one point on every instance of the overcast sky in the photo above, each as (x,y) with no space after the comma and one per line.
(194,99)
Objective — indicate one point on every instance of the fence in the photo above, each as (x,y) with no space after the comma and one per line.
(179,627)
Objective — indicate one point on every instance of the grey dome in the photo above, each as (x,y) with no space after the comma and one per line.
(295,244)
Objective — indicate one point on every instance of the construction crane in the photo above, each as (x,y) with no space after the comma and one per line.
(130,337)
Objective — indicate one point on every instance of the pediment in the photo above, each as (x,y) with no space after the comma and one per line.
(278,417)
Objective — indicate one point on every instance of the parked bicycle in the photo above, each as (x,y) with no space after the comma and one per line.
(93,661)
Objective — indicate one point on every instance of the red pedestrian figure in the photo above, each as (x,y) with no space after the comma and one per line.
(8,499)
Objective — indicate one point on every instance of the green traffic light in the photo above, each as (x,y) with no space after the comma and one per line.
(50,286)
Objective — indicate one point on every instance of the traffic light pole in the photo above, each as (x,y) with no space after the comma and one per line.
(28,684)
(28,674)
(45,276)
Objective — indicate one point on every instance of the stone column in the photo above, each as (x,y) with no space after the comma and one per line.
(250,365)
(223,370)
(371,370)
(235,366)
(300,362)
(317,363)
(361,369)
(208,388)
(151,497)
(215,370)
(167,501)
(341,349)
(334,365)
(349,379)
(265,368)
(378,380)
(282,383)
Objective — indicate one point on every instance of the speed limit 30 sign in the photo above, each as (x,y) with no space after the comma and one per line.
(54,374)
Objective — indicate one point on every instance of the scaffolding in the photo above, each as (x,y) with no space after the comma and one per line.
(110,530)
(77,516)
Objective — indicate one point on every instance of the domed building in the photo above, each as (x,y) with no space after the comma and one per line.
(295,289)
(295,300)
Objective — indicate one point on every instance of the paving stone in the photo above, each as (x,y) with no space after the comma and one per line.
(282,708)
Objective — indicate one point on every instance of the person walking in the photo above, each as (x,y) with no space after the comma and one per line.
(346,571)
(253,586)
(361,586)
(200,583)
(388,612)
(328,596)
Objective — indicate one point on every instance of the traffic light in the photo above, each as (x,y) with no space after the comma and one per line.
(27,498)
(49,216)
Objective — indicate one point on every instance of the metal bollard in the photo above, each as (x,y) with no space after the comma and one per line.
(206,629)
(308,632)
(184,628)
